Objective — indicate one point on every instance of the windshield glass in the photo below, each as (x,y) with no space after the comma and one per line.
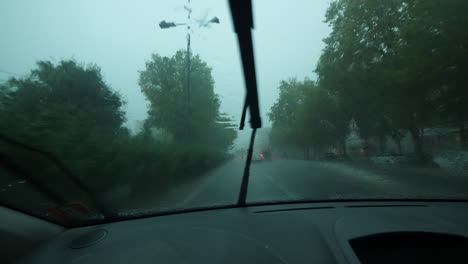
(112,109)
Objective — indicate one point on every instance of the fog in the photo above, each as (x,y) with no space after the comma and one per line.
(119,36)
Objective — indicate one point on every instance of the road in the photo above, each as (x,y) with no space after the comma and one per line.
(285,180)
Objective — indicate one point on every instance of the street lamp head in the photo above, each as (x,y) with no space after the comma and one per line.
(163,24)
(214,20)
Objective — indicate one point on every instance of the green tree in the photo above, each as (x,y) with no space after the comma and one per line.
(353,66)
(68,110)
(322,122)
(163,82)
(283,113)
(393,66)
(434,54)
(307,117)
(58,100)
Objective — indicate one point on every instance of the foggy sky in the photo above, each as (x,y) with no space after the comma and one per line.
(119,36)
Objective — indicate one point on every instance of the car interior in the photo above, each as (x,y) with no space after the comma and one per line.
(328,231)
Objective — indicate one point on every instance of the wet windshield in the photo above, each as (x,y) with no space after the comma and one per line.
(114,109)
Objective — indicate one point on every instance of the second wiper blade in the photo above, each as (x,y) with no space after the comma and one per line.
(75,179)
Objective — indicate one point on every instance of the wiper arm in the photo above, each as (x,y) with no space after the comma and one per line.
(76,180)
(243,23)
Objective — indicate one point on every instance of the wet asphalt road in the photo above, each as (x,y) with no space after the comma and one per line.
(289,180)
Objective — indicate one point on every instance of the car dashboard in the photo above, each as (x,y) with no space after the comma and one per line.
(342,232)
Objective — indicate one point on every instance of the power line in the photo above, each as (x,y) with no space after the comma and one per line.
(9,72)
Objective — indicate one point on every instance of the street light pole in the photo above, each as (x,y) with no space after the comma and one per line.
(164,25)
(189,91)
(189,88)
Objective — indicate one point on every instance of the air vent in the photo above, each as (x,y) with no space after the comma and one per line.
(88,239)
(411,247)
(295,209)
(387,205)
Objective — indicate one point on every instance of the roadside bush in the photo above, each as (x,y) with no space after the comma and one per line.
(105,163)
(174,164)
(425,160)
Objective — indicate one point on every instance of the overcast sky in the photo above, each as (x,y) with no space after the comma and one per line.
(119,36)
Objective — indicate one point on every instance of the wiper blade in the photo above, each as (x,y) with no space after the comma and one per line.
(75,179)
(244,113)
(9,165)
(246,176)
(243,23)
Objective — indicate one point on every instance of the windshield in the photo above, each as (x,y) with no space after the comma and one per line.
(112,109)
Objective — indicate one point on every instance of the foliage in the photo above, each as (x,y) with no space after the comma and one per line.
(68,110)
(283,113)
(197,119)
(393,66)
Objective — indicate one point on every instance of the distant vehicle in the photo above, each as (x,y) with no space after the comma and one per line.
(266,154)
(258,157)
(330,156)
